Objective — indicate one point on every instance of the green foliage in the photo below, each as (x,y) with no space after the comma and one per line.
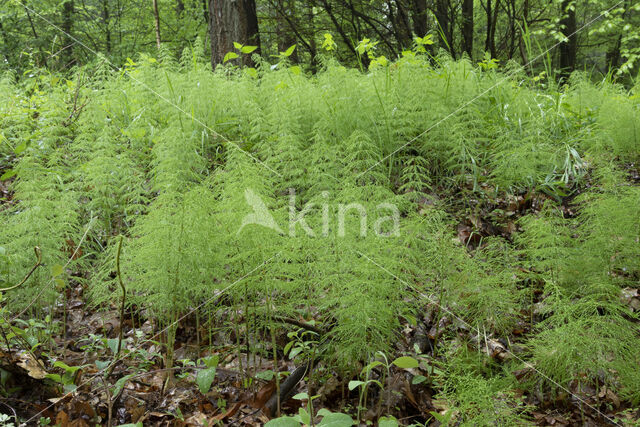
(179,168)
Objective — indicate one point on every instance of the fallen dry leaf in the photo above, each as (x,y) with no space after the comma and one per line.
(32,366)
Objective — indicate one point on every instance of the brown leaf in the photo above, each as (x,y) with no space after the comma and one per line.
(62,419)
(32,366)
(263,395)
(230,413)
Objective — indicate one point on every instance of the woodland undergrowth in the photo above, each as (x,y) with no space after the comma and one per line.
(169,154)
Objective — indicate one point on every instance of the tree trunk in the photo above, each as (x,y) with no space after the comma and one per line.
(156,20)
(404,38)
(67,27)
(613,55)
(492,18)
(568,49)
(232,21)
(419,17)
(106,21)
(442,16)
(467,27)
(286,38)
(205,11)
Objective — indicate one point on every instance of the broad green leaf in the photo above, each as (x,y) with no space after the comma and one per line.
(406,362)
(204,379)
(54,377)
(336,420)
(355,384)
(301,396)
(283,422)
(304,416)
(69,388)
(112,343)
(211,361)
(229,56)
(248,49)
(323,412)
(294,352)
(119,385)
(237,45)
(388,422)
(67,368)
(102,365)
(418,379)
(289,51)
(266,375)
(8,174)
(371,365)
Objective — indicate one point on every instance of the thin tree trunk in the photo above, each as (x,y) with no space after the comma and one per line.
(467,27)
(442,16)
(286,38)
(419,17)
(494,25)
(568,49)
(67,27)
(156,20)
(205,11)
(105,20)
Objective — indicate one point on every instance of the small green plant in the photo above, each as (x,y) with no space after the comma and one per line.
(68,379)
(205,376)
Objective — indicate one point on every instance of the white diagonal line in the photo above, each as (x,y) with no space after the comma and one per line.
(475,98)
(527,364)
(162,97)
(157,335)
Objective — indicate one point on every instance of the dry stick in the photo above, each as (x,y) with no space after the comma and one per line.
(124,294)
(38,264)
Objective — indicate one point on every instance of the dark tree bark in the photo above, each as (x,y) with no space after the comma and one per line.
(445,22)
(403,33)
(568,49)
(614,56)
(156,20)
(67,27)
(107,26)
(205,11)
(339,28)
(525,24)
(492,18)
(232,21)
(467,27)
(286,38)
(419,17)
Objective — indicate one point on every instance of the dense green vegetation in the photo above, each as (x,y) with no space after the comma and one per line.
(281,212)
(172,156)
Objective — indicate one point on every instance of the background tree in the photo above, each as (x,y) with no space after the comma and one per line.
(516,30)
(232,21)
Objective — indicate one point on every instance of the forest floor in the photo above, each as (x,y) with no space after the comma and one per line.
(152,397)
(511,295)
